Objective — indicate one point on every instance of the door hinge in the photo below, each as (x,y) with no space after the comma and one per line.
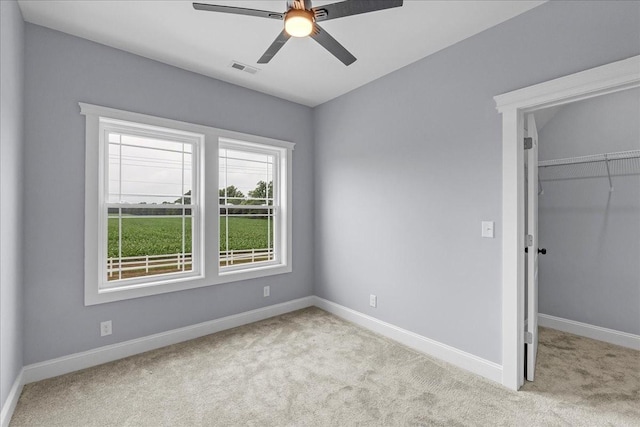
(528,337)
(528,143)
(529,240)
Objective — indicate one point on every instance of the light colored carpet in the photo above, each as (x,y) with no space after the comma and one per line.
(309,368)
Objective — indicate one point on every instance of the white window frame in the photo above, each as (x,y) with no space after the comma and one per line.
(206,270)
(107,125)
(280,205)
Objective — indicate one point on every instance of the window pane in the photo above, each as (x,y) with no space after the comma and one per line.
(114,170)
(246,235)
(246,178)
(152,143)
(114,137)
(147,242)
(146,170)
(187,181)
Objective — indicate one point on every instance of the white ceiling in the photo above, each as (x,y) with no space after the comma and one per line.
(206,42)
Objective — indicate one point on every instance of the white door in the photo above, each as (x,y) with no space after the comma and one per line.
(532,252)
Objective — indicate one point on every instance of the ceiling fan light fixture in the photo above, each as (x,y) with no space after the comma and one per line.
(298,22)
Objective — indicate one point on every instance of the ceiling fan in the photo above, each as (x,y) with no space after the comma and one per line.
(301,20)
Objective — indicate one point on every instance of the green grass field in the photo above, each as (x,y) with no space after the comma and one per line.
(159,236)
(245,233)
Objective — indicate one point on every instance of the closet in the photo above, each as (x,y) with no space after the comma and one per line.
(589,215)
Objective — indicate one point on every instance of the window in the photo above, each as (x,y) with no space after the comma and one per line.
(171,205)
(253,209)
(249,206)
(151,203)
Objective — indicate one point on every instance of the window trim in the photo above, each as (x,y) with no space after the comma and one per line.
(196,140)
(279,203)
(209,273)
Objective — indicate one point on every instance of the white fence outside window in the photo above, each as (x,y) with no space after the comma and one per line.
(136,266)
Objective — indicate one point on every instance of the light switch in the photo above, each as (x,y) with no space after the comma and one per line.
(487,229)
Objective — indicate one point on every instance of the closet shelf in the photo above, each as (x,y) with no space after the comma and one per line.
(593,166)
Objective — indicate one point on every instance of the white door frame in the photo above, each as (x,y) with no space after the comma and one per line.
(513,106)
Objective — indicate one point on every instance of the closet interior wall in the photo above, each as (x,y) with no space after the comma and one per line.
(591,273)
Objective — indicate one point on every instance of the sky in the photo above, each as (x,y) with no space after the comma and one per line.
(156,171)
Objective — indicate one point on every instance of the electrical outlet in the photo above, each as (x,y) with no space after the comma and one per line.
(105,328)
(373,300)
(267,291)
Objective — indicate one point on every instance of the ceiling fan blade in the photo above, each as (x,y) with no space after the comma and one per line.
(328,42)
(352,7)
(238,11)
(274,48)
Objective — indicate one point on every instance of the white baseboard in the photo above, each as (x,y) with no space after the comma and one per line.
(86,359)
(459,358)
(74,362)
(12,400)
(594,332)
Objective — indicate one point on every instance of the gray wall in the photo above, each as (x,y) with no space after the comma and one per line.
(62,70)
(11,155)
(408,166)
(591,273)
(405,169)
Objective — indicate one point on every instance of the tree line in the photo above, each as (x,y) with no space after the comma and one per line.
(260,196)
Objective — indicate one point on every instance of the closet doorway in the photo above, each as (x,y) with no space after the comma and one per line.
(514,107)
(588,218)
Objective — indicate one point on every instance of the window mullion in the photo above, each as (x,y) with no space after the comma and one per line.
(268,211)
(119,210)
(184,213)
(226,211)
(119,244)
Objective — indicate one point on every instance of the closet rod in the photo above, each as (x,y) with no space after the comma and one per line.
(594,158)
(604,158)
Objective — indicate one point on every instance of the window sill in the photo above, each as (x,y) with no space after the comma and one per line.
(121,293)
(252,273)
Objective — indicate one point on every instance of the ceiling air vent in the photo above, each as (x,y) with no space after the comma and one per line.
(242,67)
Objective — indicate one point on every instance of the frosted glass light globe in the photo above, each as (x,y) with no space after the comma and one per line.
(298,23)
